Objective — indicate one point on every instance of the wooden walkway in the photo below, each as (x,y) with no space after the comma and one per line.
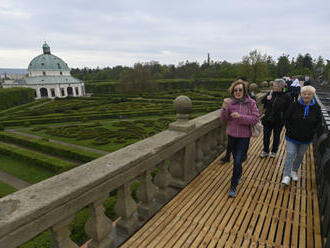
(264,213)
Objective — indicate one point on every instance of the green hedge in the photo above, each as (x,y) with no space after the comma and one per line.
(6,189)
(54,164)
(48,147)
(11,97)
(23,106)
(119,115)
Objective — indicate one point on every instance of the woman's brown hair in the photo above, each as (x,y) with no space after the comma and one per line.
(234,84)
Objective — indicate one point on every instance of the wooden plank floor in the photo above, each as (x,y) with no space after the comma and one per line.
(264,213)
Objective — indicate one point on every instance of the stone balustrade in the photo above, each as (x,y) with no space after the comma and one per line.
(178,153)
(322,164)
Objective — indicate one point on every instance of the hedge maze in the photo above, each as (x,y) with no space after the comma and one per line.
(105,122)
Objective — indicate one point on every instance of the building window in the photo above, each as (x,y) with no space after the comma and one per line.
(62,92)
(44,73)
(59,66)
(77,91)
(52,92)
(61,73)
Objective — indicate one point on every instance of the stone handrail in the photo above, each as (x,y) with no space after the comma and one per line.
(179,153)
(322,163)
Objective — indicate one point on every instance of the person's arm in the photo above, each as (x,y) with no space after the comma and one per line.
(224,111)
(251,118)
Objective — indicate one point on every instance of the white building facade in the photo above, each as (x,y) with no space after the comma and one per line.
(50,77)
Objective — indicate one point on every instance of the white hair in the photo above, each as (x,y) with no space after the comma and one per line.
(279,82)
(308,88)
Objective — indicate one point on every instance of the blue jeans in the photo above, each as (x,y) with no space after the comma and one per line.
(294,156)
(239,146)
(276,137)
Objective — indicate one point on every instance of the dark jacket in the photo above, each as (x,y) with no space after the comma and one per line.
(299,128)
(275,108)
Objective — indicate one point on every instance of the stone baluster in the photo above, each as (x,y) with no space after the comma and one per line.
(176,169)
(146,195)
(199,161)
(125,208)
(213,143)
(60,235)
(219,141)
(98,226)
(206,150)
(162,181)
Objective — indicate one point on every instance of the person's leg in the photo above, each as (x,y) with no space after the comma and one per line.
(267,133)
(241,145)
(291,150)
(245,154)
(226,158)
(302,148)
(276,137)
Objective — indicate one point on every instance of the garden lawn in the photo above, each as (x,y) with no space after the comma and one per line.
(29,173)
(6,189)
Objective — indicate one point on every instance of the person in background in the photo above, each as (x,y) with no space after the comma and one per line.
(295,90)
(275,104)
(239,112)
(302,120)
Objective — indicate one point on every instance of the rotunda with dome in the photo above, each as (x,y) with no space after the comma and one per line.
(50,77)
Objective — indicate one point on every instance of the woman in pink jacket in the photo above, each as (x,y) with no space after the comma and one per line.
(239,112)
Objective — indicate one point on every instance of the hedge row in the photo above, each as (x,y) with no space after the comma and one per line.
(51,148)
(23,106)
(166,84)
(11,97)
(54,164)
(159,112)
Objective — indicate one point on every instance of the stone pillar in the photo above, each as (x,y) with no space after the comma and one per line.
(98,226)
(38,93)
(162,180)
(182,163)
(146,195)
(73,90)
(125,208)
(57,91)
(61,235)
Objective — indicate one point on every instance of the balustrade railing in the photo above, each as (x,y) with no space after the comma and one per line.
(322,164)
(178,154)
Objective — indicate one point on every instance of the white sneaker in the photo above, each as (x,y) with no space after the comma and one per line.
(272,155)
(294,176)
(263,154)
(286,180)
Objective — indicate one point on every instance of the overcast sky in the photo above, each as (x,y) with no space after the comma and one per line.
(107,33)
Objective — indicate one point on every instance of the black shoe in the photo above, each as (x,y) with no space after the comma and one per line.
(225,159)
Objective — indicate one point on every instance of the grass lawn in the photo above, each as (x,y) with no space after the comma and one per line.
(6,189)
(29,173)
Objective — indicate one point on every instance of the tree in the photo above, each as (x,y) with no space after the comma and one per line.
(137,79)
(255,65)
(283,65)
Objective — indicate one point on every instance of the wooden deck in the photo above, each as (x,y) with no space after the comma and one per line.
(264,213)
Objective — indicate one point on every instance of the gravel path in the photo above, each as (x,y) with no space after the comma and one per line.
(13,181)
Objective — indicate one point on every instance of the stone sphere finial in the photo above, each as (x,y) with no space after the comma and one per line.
(253,86)
(183,107)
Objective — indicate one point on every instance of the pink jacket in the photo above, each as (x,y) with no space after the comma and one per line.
(240,127)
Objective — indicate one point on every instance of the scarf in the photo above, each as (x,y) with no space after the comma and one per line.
(236,101)
(306,107)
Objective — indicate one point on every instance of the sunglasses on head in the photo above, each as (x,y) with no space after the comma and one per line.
(238,90)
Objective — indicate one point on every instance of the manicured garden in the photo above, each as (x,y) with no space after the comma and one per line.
(106,122)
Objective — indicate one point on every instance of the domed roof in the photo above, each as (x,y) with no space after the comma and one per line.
(47,61)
